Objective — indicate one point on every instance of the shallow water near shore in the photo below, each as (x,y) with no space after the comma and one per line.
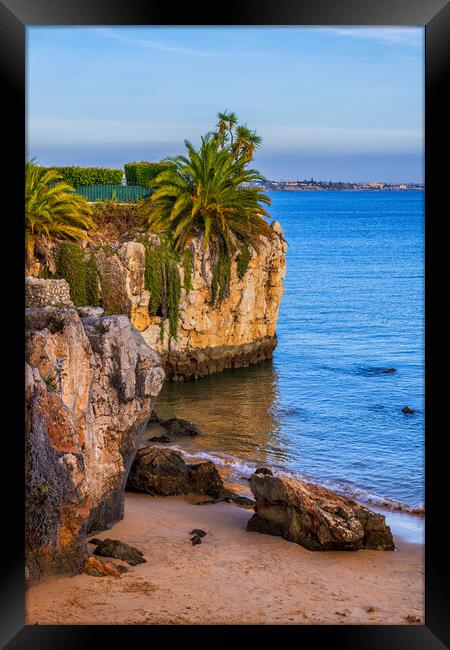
(323,409)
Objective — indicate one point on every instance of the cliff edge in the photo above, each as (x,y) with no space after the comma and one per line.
(90,385)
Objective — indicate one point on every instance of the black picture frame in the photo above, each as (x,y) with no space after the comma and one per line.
(15,16)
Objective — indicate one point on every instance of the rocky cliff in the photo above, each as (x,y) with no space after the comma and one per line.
(239,331)
(91,382)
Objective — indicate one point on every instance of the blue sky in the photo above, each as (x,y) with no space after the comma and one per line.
(333,103)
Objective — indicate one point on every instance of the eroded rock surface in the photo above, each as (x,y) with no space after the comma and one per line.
(160,471)
(91,384)
(315,517)
(239,332)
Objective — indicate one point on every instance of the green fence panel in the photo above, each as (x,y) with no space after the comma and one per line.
(121,193)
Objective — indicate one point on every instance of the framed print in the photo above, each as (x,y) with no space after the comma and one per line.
(233,321)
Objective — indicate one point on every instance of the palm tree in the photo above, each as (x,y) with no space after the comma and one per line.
(227,122)
(205,193)
(222,127)
(246,142)
(52,212)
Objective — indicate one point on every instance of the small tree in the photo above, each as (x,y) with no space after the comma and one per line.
(52,212)
(208,192)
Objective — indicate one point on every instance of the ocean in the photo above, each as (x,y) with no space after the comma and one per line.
(323,409)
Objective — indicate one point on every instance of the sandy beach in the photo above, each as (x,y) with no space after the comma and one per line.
(233,577)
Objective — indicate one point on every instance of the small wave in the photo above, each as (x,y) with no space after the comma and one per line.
(244,469)
(225,460)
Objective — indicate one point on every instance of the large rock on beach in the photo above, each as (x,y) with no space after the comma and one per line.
(119,550)
(91,384)
(160,471)
(314,517)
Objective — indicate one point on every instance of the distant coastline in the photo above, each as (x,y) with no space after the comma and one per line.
(305,185)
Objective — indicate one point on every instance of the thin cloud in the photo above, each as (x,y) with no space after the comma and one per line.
(393,36)
(161,46)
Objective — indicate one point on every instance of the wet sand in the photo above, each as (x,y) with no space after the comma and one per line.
(232,577)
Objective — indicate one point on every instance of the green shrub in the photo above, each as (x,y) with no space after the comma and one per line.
(162,280)
(77,176)
(80,272)
(141,173)
(70,266)
(188,267)
(118,221)
(91,281)
(220,284)
(242,261)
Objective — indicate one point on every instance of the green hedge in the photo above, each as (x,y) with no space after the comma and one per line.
(79,269)
(77,176)
(141,173)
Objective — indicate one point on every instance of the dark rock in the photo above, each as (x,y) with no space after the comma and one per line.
(95,567)
(208,502)
(229,496)
(244,502)
(408,411)
(120,551)
(162,472)
(314,517)
(389,371)
(196,540)
(95,540)
(198,532)
(179,427)
(263,470)
(154,417)
(121,568)
(159,439)
(414,619)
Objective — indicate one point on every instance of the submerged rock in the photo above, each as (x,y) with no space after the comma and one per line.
(91,384)
(314,517)
(408,411)
(159,439)
(119,550)
(179,427)
(389,371)
(162,472)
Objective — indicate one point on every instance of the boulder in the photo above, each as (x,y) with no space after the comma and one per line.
(94,567)
(161,471)
(91,385)
(264,470)
(119,550)
(90,312)
(179,427)
(314,517)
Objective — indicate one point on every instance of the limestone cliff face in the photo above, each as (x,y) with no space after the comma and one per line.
(91,384)
(241,330)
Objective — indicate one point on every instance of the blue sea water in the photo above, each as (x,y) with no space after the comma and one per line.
(322,409)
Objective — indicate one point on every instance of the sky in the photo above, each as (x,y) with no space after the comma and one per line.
(332,103)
